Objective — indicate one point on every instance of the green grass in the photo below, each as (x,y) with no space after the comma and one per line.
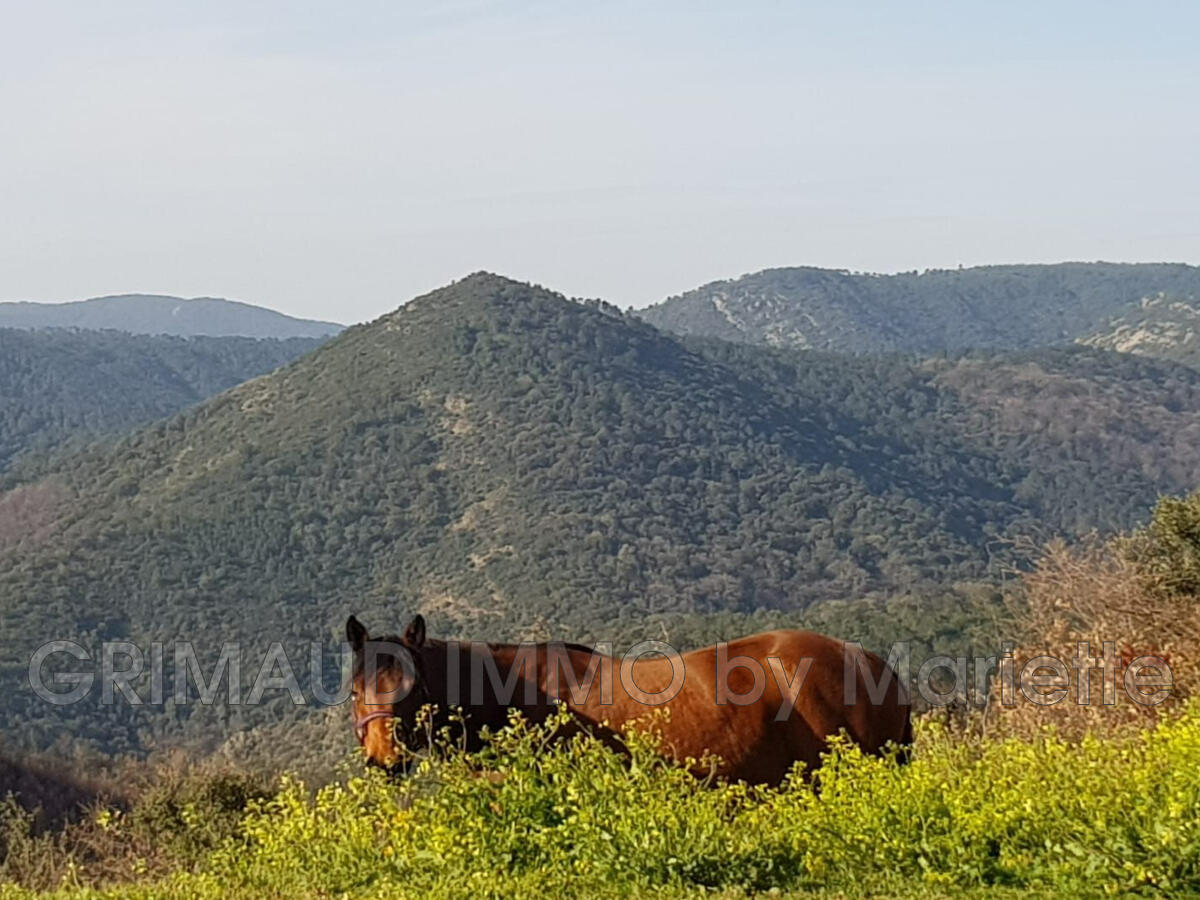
(527,818)
(202,888)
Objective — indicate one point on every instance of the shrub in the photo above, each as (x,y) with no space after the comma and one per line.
(573,818)
(190,814)
(1096,592)
(175,819)
(1168,549)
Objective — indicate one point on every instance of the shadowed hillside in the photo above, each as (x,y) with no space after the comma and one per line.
(60,385)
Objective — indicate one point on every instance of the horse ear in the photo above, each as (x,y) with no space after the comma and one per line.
(356,634)
(414,634)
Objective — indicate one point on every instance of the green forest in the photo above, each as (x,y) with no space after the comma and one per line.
(64,385)
(938,310)
(514,464)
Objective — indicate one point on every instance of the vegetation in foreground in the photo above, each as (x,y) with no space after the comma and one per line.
(574,819)
(1062,800)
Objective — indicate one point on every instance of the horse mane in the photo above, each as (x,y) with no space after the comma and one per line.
(492,646)
(566,645)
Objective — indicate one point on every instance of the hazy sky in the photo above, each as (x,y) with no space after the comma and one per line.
(334,159)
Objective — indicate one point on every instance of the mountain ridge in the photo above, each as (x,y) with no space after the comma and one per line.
(512,463)
(939,310)
(164,314)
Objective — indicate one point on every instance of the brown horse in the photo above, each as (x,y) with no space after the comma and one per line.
(759,704)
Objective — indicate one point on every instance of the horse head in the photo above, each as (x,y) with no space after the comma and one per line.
(387,690)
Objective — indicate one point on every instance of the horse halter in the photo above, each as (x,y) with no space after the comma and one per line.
(361,722)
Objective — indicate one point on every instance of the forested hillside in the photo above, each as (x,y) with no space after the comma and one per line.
(159,314)
(59,385)
(1003,307)
(511,463)
(1164,326)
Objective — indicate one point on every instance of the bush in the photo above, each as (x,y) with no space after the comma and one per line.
(1168,549)
(1140,593)
(191,814)
(573,818)
(174,820)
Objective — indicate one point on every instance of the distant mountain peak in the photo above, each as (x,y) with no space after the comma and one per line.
(472,295)
(164,314)
(938,310)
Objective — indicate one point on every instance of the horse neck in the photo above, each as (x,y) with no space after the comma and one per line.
(434,660)
(447,661)
(452,661)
